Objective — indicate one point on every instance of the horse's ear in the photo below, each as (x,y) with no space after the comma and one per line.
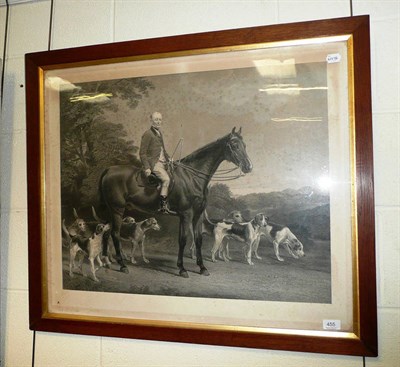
(240,131)
(75,213)
(233,130)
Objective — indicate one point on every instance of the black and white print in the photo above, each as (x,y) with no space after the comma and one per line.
(279,120)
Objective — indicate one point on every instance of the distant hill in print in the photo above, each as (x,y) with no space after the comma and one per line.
(305,211)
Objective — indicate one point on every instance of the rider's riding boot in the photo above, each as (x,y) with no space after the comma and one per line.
(164,205)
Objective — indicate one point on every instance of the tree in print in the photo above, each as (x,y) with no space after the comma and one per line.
(89,142)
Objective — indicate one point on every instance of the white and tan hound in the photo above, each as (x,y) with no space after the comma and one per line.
(77,228)
(281,235)
(91,247)
(249,233)
(136,235)
(235,216)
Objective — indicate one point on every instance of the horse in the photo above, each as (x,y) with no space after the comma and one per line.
(120,190)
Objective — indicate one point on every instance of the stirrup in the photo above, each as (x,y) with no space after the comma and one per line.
(166,210)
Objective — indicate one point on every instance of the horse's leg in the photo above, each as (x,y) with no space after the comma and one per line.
(198,240)
(193,250)
(115,234)
(185,237)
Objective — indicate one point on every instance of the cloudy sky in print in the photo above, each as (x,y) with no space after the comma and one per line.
(284,120)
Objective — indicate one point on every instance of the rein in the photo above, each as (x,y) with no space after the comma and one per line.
(219,175)
(229,178)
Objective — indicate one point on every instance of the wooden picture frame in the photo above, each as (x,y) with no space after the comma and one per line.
(279,54)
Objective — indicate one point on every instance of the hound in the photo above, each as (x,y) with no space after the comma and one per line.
(248,233)
(136,235)
(77,228)
(128,224)
(235,216)
(283,236)
(91,247)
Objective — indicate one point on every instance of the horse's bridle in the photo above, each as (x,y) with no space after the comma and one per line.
(233,153)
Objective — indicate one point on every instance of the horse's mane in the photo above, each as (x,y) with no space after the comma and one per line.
(200,152)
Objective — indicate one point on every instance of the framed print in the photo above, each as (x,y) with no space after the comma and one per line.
(208,188)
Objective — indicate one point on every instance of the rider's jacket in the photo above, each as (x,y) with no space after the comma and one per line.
(152,148)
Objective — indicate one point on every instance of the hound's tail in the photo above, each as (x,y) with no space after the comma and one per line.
(208,225)
(64,229)
(67,237)
(96,217)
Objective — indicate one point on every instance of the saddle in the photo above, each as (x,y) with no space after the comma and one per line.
(151,181)
(147,181)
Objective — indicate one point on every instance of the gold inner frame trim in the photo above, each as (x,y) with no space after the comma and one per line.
(42,168)
(354,224)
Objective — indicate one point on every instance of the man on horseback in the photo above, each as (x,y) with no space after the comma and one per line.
(155,158)
(120,189)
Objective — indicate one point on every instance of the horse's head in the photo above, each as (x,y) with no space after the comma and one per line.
(236,151)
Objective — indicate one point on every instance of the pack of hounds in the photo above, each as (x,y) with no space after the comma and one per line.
(85,243)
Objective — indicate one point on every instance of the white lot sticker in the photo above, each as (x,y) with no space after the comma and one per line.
(331,324)
(332,58)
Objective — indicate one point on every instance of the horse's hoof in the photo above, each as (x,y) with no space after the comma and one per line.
(184,274)
(124,269)
(204,272)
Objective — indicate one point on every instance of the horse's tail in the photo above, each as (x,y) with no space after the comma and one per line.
(100,189)
(101,200)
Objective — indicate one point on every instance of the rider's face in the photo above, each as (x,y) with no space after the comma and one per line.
(156,120)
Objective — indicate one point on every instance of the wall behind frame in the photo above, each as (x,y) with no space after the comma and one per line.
(84,22)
